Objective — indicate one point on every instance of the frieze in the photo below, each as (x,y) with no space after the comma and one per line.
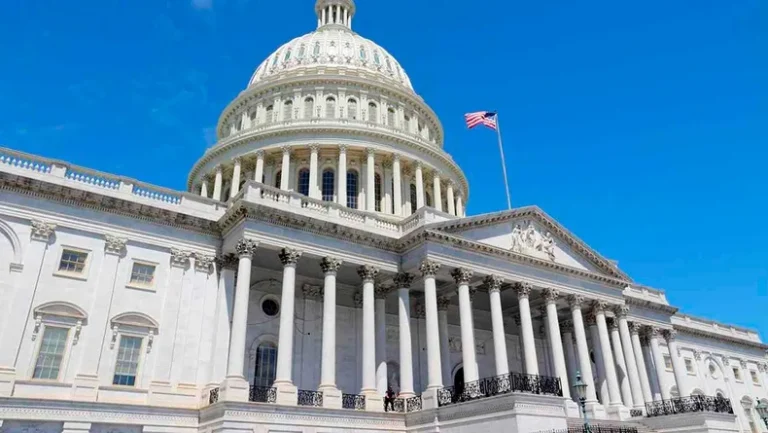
(530,241)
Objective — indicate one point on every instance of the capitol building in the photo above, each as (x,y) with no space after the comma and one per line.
(321,254)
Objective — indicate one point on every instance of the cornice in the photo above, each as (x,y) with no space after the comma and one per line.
(664,308)
(714,335)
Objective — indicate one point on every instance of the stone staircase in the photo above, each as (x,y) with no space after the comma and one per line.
(641,428)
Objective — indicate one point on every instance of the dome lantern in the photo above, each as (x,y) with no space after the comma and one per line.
(335,12)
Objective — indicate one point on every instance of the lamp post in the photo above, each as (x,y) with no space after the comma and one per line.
(762,410)
(581,391)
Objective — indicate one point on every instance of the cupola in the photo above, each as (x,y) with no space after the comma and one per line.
(335,13)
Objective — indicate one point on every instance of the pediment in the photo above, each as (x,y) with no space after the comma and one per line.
(531,232)
(61,309)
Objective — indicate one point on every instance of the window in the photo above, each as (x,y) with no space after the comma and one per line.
(362,53)
(304,181)
(330,107)
(316,50)
(51,353)
(278,179)
(288,110)
(352,108)
(413,198)
(667,362)
(329,180)
(373,112)
(252,116)
(287,55)
(309,104)
(407,123)
(127,361)
(239,124)
(736,373)
(143,274)
(73,261)
(302,51)
(352,189)
(270,307)
(266,365)
(390,117)
(377,192)
(269,119)
(755,378)
(689,365)
(376,58)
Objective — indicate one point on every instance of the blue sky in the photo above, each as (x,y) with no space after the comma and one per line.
(640,126)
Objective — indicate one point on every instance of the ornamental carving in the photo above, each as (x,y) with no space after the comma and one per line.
(330,265)
(566,327)
(575,301)
(289,256)
(368,273)
(381,292)
(635,328)
(454,343)
(443,303)
(621,311)
(599,307)
(246,247)
(179,257)
(493,283)
(612,324)
(114,245)
(523,290)
(462,275)
(726,362)
(743,363)
(429,268)
(358,300)
(670,335)
(203,263)
(530,241)
(403,280)
(551,295)
(697,354)
(418,310)
(590,319)
(226,261)
(312,292)
(41,230)
(654,332)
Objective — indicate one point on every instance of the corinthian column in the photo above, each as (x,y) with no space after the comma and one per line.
(658,360)
(217,183)
(314,190)
(285,176)
(585,364)
(621,364)
(381,293)
(445,351)
(462,277)
(370,184)
(450,198)
(397,189)
(368,274)
(342,176)
(419,186)
(437,194)
(555,341)
(287,393)
(331,394)
(598,308)
(677,363)
(629,356)
(645,384)
(434,372)
(526,328)
(258,173)
(235,188)
(403,283)
(493,283)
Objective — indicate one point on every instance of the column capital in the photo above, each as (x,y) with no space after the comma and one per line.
(654,332)
(612,324)
(312,292)
(436,174)
(386,164)
(226,261)
(621,311)
(551,295)
(381,292)
(370,151)
(523,289)
(395,157)
(41,230)
(219,169)
(179,258)
(330,265)
(669,335)
(493,283)
(566,327)
(343,148)
(368,273)
(590,319)
(246,248)
(314,147)
(635,328)
(237,160)
(697,355)
(443,303)
(462,275)
(429,268)
(260,153)
(403,280)
(114,245)
(575,301)
(599,307)
(285,149)
(289,256)
(418,165)
(203,262)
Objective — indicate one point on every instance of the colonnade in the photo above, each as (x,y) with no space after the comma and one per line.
(616,342)
(383,185)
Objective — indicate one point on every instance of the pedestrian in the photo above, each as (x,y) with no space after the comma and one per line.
(389,399)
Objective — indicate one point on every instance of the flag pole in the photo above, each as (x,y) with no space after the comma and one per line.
(503,162)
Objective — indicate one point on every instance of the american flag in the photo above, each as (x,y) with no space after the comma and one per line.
(487,118)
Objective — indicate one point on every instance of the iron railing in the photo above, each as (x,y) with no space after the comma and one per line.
(213,396)
(262,394)
(353,401)
(398,405)
(597,428)
(310,398)
(694,403)
(413,404)
(510,382)
(635,412)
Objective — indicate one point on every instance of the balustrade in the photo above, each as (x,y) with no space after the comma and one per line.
(262,394)
(310,398)
(213,396)
(510,382)
(353,401)
(694,403)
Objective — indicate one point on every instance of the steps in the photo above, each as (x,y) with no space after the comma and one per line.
(641,428)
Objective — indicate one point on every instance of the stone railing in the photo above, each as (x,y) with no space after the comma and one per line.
(506,383)
(694,403)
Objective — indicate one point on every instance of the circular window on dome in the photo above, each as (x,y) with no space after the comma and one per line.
(270,307)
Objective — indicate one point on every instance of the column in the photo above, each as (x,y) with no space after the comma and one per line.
(226,265)
(450,198)
(285,176)
(462,277)
(645,385)
(331,394)
(286,391)
(526,328)
(437,198)
(605,346)
(258,174)
(629,356)
(679,368)
(370,182)
(403,283)
(419,186)
(460,206)
(381,338)
(585,364)
(658,360)
(368,274)
(204,188)
(445,349)
(558,358)
(236,388)
(388,187)
(217,183)
(314,190)
(179,261)
(653,379)
(602,382)
(566,329)
(493,283)
(397,190)
(429,270)
(341,176)
(236,178)
(621,364)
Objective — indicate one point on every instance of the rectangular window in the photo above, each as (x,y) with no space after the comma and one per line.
(51,353)
(143,274)
(127,361)
(736,373)
(667,362)
(73,261)
(689,365)
(755,378)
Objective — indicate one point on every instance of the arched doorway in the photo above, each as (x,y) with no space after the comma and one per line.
(458,381)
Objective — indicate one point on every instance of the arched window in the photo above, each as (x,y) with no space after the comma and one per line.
(304,181)
(309,105)
(268,117)
(330,107)
(352,182)
(288,110)
(278,178)
(352,108)
(377,192)
(413,198)
(329,180)
(266,365)
(390,117)
(373,112)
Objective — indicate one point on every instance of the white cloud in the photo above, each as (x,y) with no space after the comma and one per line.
(202,4)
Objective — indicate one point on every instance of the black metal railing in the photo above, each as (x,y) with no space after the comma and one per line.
(597,428)
(510,382)
(213,396)
(413,404)
(353,401)
(694,403)
(262,394)
(635,412)
(310,398)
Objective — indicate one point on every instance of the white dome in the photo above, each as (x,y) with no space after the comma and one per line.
(336,47)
